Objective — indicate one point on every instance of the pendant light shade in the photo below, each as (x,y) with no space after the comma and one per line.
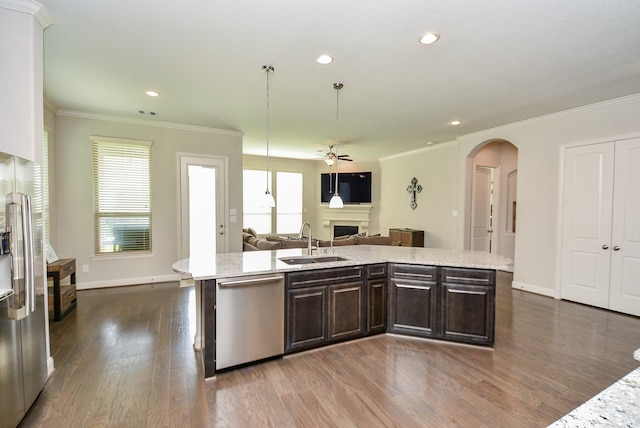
(336,200)
(268,200)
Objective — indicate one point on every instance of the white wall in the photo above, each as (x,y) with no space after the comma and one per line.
(74,190)
(539,143)
(436,168)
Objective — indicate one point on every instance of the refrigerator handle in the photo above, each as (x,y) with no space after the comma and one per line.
(22,258)
(29,269)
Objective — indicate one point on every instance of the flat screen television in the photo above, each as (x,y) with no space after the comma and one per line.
(353,187)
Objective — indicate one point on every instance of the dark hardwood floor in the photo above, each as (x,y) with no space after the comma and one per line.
(124,358)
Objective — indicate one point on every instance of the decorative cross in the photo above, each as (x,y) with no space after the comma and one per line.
(414,188)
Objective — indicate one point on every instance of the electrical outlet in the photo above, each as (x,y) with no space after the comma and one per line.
(85,268)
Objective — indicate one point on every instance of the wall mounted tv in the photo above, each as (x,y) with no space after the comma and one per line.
(353,187)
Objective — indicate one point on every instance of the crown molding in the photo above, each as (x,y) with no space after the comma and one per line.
(634,98)
(31,7)
(434,146)
(143,122)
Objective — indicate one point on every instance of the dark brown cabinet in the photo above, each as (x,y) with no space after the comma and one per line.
(413,300)
(323,306)
(468,305)
(306,314)
(455,304)
(376,298)
(345,311)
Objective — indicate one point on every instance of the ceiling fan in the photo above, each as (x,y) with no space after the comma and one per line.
(330,157)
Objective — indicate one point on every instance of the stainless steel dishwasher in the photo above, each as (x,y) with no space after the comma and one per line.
(249,319)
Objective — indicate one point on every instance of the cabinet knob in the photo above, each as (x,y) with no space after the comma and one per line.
(616,248)
(605,247)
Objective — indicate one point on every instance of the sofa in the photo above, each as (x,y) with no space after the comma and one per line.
(252,242)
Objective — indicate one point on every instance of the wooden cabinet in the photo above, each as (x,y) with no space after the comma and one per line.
(306,317)
(62,297)
(456,304)
(345,310)
(468,305)
(407,237)
(413,300)
(323,306)
(376,298)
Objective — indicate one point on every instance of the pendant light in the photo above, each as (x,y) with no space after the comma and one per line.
(268,200)
(336,200)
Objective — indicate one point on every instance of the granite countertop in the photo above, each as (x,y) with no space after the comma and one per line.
(616,406)
(227,265)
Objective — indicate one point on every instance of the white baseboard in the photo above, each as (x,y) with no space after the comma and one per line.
(126,281)
(533,289)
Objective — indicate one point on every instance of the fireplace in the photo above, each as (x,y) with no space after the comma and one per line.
(344,230)
(351,215)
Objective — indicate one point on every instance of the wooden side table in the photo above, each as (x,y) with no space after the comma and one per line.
(63,297)
(407,237)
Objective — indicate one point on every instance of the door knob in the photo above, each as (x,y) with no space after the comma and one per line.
(221,229)
(605,247)
(616,248)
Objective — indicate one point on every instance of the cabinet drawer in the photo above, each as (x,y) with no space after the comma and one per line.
(324,277)
(468,276)
(63,266)
(67,296)
(377,271)
(417,272)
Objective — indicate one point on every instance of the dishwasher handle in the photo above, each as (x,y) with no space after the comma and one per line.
(250,281)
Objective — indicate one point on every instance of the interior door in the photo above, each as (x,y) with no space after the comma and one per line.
(481,208)
(586,224)
(625,242)
(202,194)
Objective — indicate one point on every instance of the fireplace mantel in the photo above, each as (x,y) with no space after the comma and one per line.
(350,215)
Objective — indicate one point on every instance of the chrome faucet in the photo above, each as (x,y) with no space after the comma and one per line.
(306,223)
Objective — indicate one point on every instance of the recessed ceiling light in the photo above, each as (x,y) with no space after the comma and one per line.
(429,143)
(152,93)
(455,122)
(429,38)
(324,59)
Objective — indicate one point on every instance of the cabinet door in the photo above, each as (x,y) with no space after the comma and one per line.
(346,310)
(306,313)
(468,305)
(624,289)
(412,300)
(586,224)
(376,306)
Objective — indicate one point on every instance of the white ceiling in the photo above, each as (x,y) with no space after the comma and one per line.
(497,62)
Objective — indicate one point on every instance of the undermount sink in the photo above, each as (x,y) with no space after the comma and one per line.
(303,260)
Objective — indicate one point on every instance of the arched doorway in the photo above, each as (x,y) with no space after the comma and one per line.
(491,198)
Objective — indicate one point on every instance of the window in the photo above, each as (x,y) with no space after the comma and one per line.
(288,202)
(122,195)
(45,187)
(256,215)
(287,192)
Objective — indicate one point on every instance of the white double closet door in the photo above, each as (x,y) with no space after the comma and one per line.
(600,256)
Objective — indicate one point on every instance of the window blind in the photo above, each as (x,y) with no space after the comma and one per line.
(122,195)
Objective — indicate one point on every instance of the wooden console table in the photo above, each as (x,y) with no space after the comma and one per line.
(63,297)
(407,237)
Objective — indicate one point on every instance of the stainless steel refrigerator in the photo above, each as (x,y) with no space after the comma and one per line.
(23,354)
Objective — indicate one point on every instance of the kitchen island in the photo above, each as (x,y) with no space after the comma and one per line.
(423,292)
